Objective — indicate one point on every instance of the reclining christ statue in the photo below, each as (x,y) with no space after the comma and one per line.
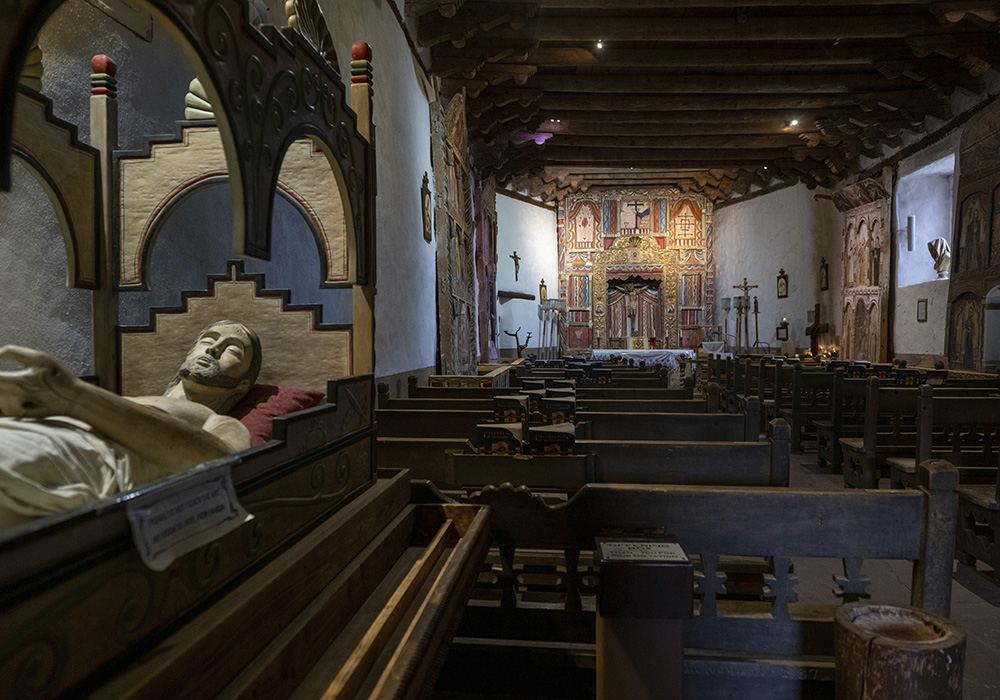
(64,442)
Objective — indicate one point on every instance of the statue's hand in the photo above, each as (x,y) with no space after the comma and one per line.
(43,388)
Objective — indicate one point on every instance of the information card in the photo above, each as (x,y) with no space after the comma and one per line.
(179,518)
(642,551)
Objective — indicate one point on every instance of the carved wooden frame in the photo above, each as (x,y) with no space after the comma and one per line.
(136,226)
(651,254)
(269,86)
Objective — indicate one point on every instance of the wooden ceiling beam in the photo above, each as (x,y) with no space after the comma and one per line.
(579,127)
(718,29)
(473,19)
(682,142)
(630,102)
(770,83)
(682,4)
(651,157)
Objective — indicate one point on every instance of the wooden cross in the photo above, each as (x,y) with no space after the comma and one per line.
(815,330)
(517,265)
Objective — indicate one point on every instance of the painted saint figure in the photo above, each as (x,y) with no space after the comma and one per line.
(66,443)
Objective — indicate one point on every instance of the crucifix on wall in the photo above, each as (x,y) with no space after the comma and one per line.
(517,264)
(815,330)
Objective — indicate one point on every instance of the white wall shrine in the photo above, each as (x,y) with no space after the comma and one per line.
(530,230)
(792,229)
(926,191)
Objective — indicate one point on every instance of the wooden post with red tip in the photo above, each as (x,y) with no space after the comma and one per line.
(104,137)
(361,86)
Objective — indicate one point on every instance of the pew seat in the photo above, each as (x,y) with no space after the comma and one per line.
(978,536)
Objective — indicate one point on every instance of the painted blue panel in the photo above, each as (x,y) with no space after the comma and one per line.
(195,242)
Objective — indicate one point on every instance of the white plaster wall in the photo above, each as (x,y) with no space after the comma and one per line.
(405,305)
(926,195)
(928,338)
(152,76)
(531,231)
(787,229)
(39,310)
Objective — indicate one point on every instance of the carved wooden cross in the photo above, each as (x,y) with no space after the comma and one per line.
(815,330)
(517,265)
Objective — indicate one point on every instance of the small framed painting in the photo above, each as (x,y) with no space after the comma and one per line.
(427,209)
(921,311)
(824,275)
(782,284)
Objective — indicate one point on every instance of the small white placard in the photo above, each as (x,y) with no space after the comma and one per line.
(173,521)
(642,551)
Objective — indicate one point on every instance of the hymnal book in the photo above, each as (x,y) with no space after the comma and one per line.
(500,438)
(552,439)
(510,409)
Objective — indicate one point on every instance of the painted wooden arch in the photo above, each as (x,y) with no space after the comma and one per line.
(69,173)
(269,86)
(151,182)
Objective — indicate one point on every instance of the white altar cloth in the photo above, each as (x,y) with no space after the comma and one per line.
(667,358)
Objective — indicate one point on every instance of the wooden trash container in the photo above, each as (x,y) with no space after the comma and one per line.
(888,652)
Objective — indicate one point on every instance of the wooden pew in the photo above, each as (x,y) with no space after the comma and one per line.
(774,646)
(759,463)
(965,430)
(847,419)
(812,399)
(979,525)
(451,423)
(583,391)
(889,431)
(739,427)
(708,404)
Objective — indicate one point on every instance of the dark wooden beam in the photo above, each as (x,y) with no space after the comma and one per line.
(629,102)
(814,26)
(680,142)
(769,83)
(652,157)
(680,4)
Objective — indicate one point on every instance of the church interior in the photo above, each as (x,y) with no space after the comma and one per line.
(568,349)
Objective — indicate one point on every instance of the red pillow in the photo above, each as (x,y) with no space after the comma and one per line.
(264,402)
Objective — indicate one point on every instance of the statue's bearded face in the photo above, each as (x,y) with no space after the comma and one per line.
(220,357)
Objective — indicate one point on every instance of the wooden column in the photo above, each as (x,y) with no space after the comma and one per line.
(363,336)
(104,137)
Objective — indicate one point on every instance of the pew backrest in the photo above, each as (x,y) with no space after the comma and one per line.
(967,428)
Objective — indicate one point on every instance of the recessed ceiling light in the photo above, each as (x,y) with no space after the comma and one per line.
(765,167)
(600,44)
(794,122)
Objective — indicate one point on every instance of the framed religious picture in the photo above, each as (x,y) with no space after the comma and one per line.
(782,284)
(824,275)
(921,311)
(427,209)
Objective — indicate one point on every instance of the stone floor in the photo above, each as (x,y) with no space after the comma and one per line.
(975,601)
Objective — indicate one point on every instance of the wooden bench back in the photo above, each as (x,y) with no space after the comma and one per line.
(714,522)
(812,392)
(850,396)
(891,411)
(970,427)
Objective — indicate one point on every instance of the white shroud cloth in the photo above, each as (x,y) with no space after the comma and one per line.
(53,464)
